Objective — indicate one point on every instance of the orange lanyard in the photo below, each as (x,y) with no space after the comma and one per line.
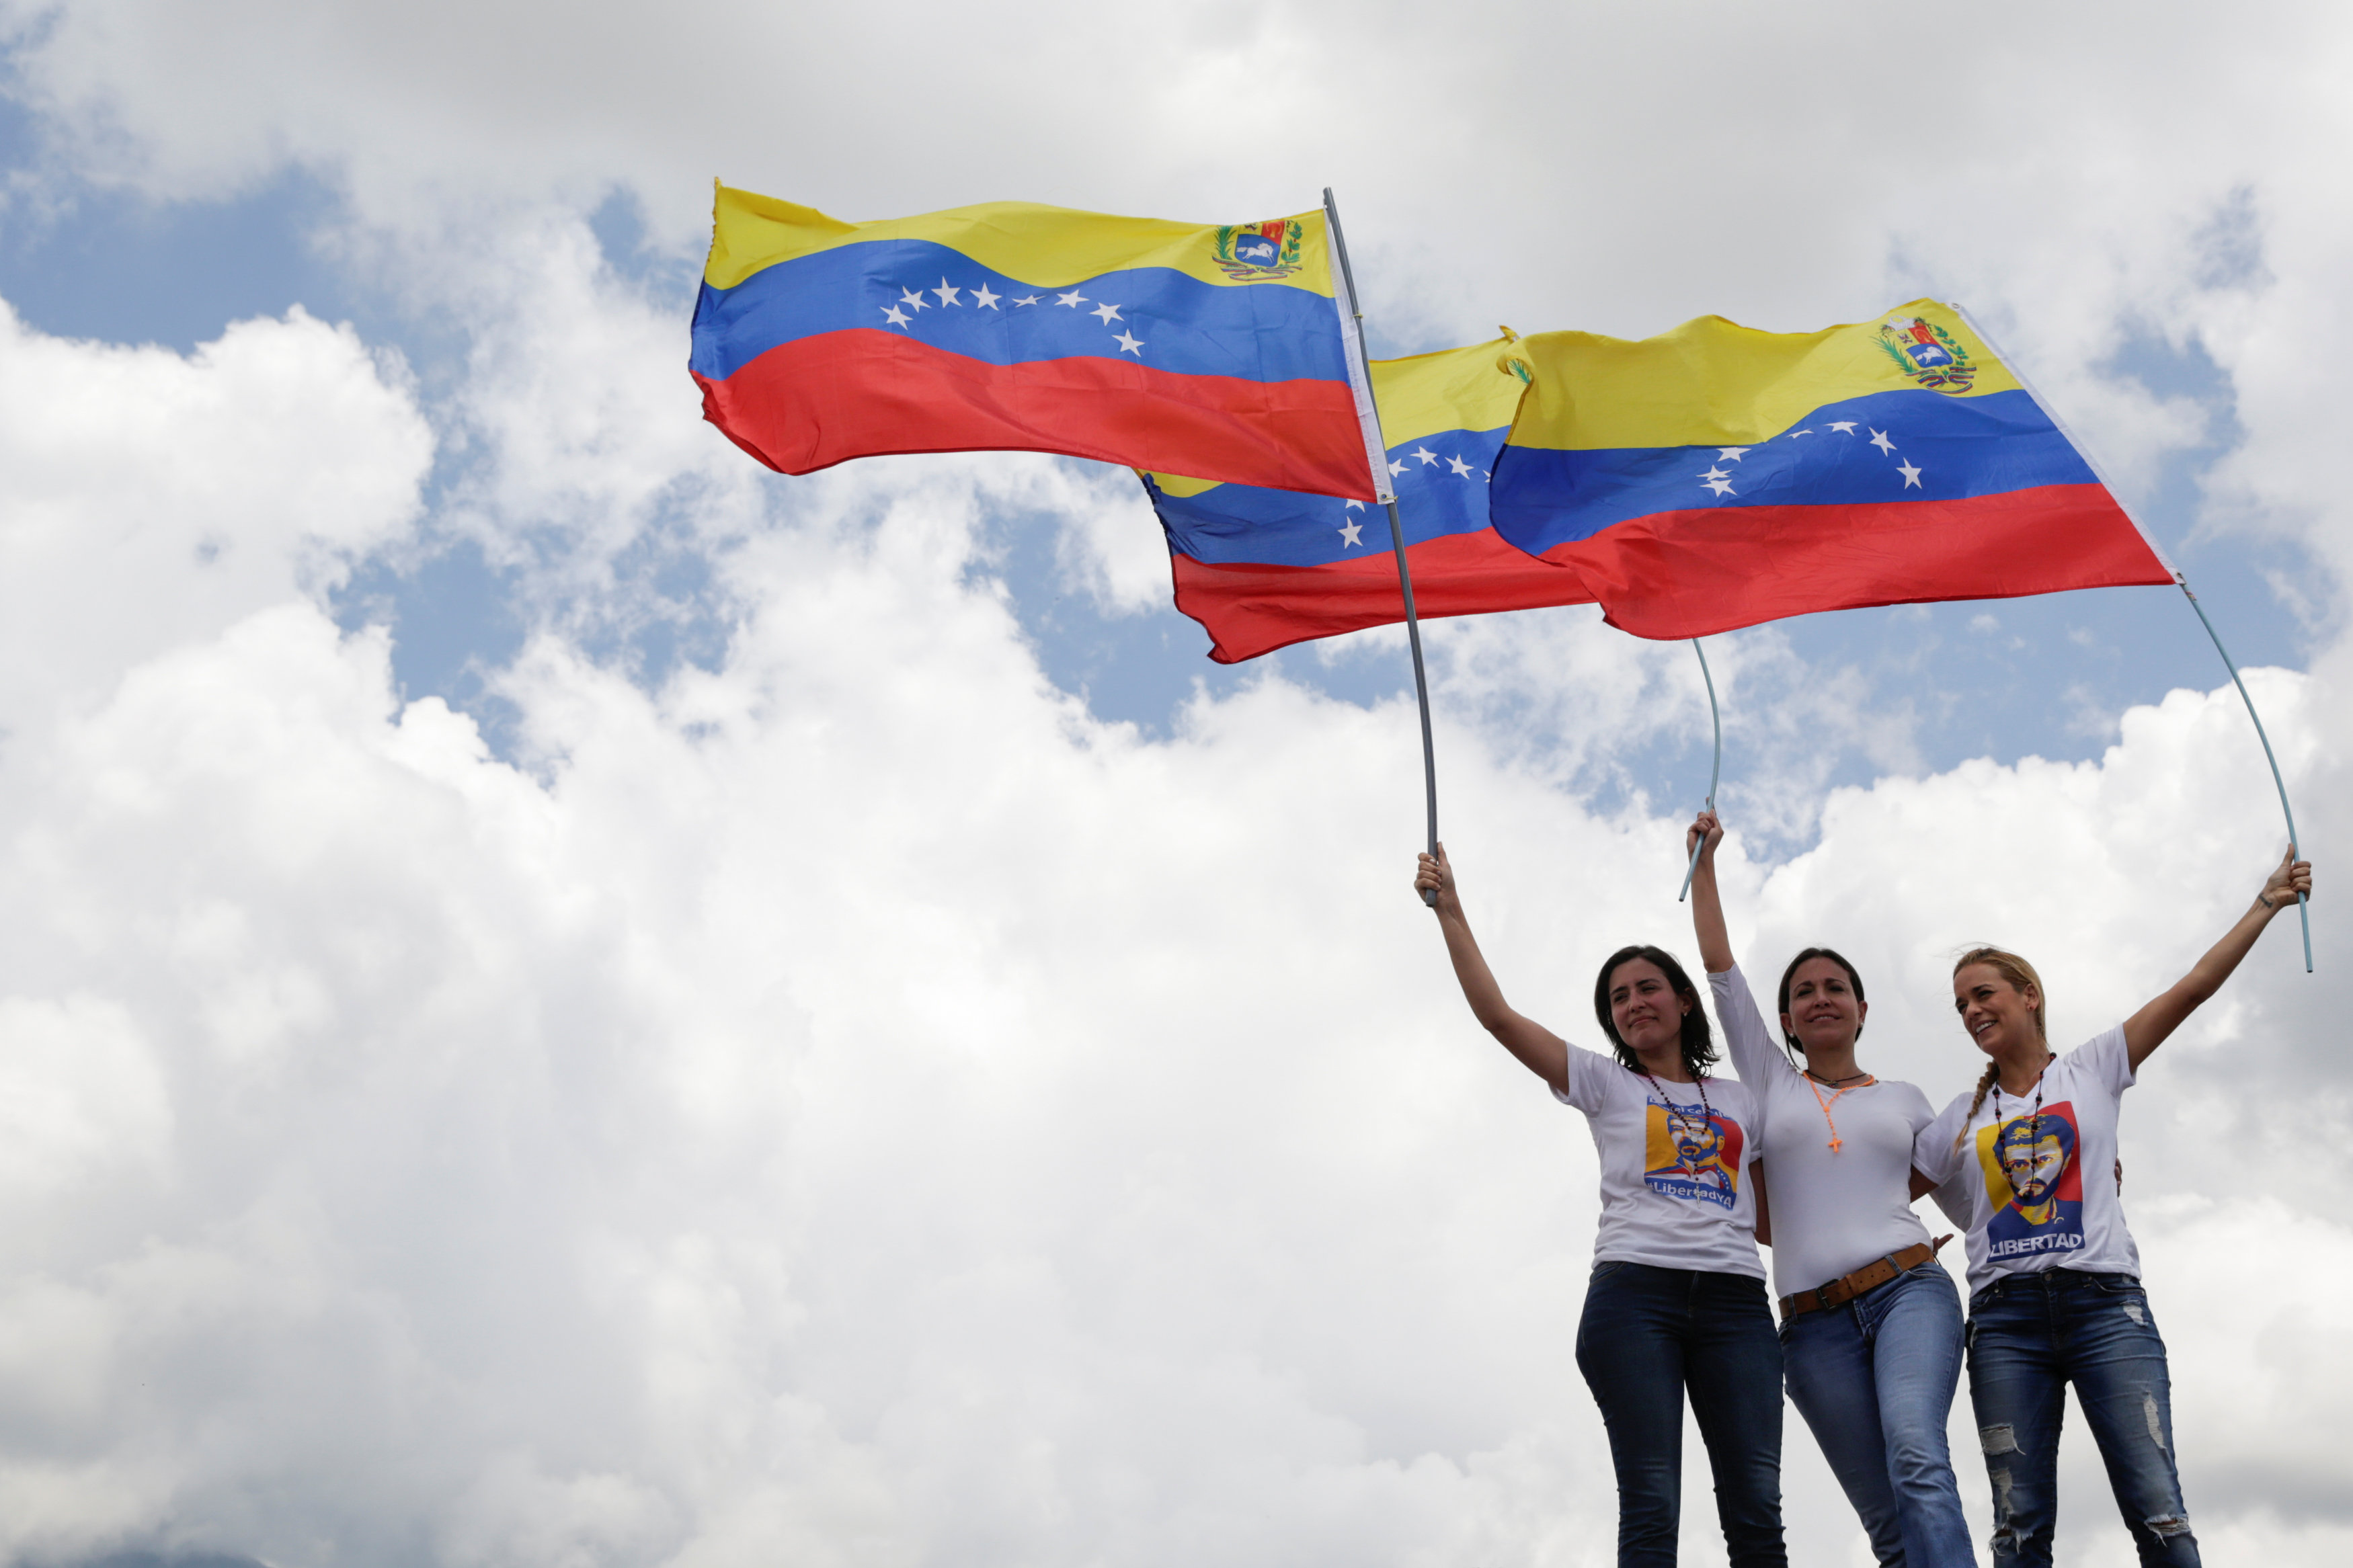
(1837,1142)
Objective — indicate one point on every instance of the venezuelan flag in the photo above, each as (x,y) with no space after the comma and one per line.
(1262,569)
(1717,477)
(1214,351)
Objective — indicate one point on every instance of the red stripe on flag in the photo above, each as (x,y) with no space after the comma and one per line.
(817,401)
(1249,609)
(1694,573)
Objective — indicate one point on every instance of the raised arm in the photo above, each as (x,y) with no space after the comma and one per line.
(1707,904)
(1543,1052)
(2146,1029)
(1755,1045)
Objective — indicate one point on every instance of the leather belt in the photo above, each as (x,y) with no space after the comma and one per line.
(1870,1277)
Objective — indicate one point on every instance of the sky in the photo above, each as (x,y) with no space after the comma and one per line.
(567,1000)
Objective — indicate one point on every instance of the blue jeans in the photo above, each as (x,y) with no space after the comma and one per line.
(2029,1336)
(1874,1379)
(1650,1335)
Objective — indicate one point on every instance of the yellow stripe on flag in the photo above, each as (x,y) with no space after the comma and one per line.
(1049,246)
(1711,382)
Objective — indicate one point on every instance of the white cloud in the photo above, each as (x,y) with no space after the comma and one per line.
(79,1093)
(848,1105)
(153,498)
(859,1102)
(1618,167)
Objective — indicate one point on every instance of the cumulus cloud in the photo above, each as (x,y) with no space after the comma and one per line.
(851,1101)
(847,1104)
(152,498)
(2070,178)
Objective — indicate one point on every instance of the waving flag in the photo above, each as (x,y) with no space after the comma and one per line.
(1260,569)
(1717,477)
(1212,351)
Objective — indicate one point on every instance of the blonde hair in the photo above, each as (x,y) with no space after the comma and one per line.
(2020,975)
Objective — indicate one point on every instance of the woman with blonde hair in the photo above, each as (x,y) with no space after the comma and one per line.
(2054,1277)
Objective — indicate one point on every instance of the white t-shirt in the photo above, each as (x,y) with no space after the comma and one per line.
(1675,1191)
(2043,1196)
(1832,1210)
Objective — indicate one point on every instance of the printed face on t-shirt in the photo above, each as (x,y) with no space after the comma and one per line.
(2033,1184)
(1697,1142)
(1694,1154)
(2035,1168)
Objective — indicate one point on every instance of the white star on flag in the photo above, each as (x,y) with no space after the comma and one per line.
(1106,314)
(984,299)
(894,315)
(1396,467)
(1073,299)
(1027,300)
(1353,506)
(1128,345)
(1462,470)
(1730,454)
(909,297)
(1426,455)
(1722,486)
(1843,426)
(1911,475)
(1715,473)
(1879,439)
(947,292)
(1348,533)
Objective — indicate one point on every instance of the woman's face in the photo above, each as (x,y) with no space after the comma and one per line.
(1823,1007)
(1644,1007)
(1998,1015)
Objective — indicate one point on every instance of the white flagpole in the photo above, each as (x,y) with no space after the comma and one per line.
(1352,318)
(2302,908)
(1714,773)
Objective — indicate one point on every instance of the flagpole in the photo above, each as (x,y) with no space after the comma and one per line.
(1376,456)
(1714,774)
(2302,909)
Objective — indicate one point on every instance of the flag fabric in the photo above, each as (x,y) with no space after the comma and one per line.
(1204,350)
(1262,569)
(1717,477)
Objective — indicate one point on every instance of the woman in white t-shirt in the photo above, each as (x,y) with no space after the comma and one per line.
(2054,1279)
(1676,1303)
(1871,1325)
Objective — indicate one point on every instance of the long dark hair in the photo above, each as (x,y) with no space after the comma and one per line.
(1698,1044)
(1789,1042)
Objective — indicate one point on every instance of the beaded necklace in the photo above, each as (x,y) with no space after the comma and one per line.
(1680,1121)
(2009,1168)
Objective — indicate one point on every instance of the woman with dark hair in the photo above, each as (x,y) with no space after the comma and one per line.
(2054,1277)
(1676,1305)
(1871,1325)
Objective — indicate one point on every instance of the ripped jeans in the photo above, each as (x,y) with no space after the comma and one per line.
(2029,1336)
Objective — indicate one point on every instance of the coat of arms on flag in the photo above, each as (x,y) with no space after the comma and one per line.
(1269,249)
(1928,353)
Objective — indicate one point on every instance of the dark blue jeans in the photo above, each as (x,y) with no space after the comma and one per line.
(2031,1335)
(1648,1337)
(1874,1379)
